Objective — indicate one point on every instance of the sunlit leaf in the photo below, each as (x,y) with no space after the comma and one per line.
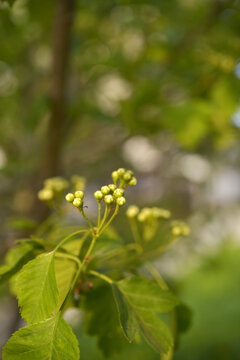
(51,339)
(36,289)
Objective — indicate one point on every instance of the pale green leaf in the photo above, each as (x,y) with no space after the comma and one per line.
(65,270)
(36,289)
(51,339)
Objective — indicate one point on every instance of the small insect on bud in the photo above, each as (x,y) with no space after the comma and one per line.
(118,193)
(112,187)
(121,171)
(115,177)
(121,201)
(98,195)
(132,211)
(79,194)
(69,197)
(109,199)
(133,182)
(105,190)
(77,202)
(45,195)
(127,176)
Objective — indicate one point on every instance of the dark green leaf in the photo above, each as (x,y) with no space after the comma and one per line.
(15,259)
(127,319)
(102,320)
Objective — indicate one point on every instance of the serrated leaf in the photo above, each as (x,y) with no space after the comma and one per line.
(126,316)
(145,299)
(101,320)
(36,289)
(51,339)
(15,259)
(147,295)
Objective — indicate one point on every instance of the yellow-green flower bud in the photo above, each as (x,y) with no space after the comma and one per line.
(118,193)
(69,197)
(121,171)
(132,211)
(45,195)
(160,213)
(127,176)
(145,214)
(98,195)
(109,199)
(121,201)
(112,187)
(185,230)
(176,230)
(105,190)
(115,176)
(133,182)
(79,194)
(77,202)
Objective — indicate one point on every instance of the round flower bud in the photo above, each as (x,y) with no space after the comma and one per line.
(77,202)
(69,197)
(127,176)
(45,195)
(160,213)
(105,190)
(185,230)
(112,187)
(121,171)
(118,193)
(79,194)
(115,176)
(132,211)
(121,201)
(176,230)
(109,199)
(98,195)
(145,214)
(133,182)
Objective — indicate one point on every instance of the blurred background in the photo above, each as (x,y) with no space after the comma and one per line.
(150,85)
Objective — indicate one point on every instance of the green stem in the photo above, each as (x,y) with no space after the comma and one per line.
(80,269)
(99,212)
(135,231)
(110,220)
(88,221)
(70,257)
(106,213)
(69,237)
(101,276)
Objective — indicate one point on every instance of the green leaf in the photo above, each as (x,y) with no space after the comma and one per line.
(52,339)
(147,295)
(101,320)
(65,270)
(15,259)
(144,301)
(36,289)
(126,316)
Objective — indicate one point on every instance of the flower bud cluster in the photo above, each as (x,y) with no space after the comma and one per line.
(52,188)
(111,194)
(76,199)
(179,228)
(154,213)
(124,176)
